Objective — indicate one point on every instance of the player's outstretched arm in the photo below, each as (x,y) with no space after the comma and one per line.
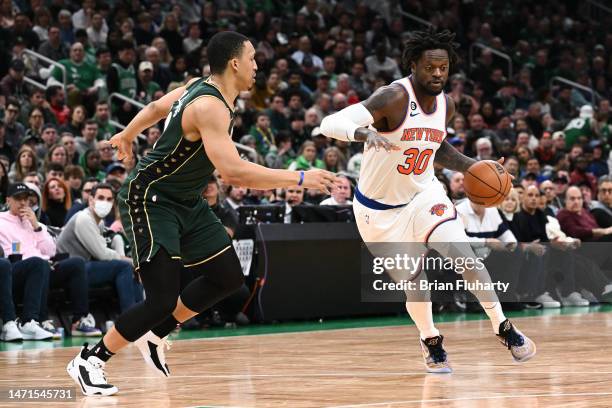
(144,119)
(351,123)
(222,152)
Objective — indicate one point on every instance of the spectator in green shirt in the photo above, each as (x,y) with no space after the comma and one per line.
(146,87)
(83,79)
(102,118)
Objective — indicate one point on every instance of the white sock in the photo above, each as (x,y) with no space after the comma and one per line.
(421,314)
(495,313)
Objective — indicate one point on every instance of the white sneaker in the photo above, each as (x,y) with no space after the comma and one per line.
(32,331)
(547,301)
(10,332)
(90,320)
(589,296)
(50,327)
(89,374)
(574,299)
(152,349)
(85,327)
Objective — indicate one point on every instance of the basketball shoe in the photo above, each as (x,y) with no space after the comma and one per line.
(521,347)
(152,349)
(88,373)
(435,355)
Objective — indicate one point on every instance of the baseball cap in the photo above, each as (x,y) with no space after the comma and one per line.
(456,141)
(307,61)
(114,166)
(530,176)
(17,189)
(144,65)
(586,111)
(282,38)
(323,74)
(316,132)
(17,65)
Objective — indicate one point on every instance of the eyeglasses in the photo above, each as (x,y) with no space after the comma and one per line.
(13,110)
(605,190)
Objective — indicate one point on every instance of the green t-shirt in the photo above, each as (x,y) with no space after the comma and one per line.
(81,75)
(146,95)
(105,131)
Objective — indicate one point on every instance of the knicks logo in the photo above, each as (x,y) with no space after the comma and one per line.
(438,209)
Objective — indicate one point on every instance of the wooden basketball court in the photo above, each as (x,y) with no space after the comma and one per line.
(369,367)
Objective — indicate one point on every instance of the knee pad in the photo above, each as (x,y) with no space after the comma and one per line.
(223,271)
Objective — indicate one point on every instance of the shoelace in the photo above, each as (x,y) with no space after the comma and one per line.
(512,338)
(48,325)
(98,375)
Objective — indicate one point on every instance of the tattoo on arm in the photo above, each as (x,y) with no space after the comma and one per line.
(447,156)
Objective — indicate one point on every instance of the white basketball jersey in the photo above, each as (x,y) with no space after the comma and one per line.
(395,177)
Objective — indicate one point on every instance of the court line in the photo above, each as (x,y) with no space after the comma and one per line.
(493,397)
(327,374)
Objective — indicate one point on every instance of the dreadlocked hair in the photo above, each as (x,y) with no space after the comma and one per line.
(420,41)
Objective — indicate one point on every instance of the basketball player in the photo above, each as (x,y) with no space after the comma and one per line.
(398,198)
(168,223)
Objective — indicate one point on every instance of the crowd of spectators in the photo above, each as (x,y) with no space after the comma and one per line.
(315,57)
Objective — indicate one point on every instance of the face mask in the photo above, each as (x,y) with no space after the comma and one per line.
(102,208)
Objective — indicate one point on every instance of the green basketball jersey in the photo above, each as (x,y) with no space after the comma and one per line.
(177,167)
(575,128)
(127,80)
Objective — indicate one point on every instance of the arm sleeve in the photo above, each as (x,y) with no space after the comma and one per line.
(89,235)
(342,125)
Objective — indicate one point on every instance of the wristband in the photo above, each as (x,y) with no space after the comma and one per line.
(301,178)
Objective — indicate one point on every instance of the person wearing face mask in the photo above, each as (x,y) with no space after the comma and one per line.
(84,236)
(32,247)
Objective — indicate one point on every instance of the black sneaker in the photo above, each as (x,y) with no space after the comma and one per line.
(434,355)
(521,347)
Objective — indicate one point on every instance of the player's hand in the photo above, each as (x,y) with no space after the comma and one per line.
(501,161)
(377,142)
(320,180)
(123,146)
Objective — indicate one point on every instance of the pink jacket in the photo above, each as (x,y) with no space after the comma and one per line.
(33,244)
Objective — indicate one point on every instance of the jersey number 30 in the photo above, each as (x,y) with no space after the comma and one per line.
(416,161)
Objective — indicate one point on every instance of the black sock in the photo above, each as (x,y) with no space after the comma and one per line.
(164,328)
(100,351)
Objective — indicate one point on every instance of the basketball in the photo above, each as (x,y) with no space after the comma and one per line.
(487,183)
